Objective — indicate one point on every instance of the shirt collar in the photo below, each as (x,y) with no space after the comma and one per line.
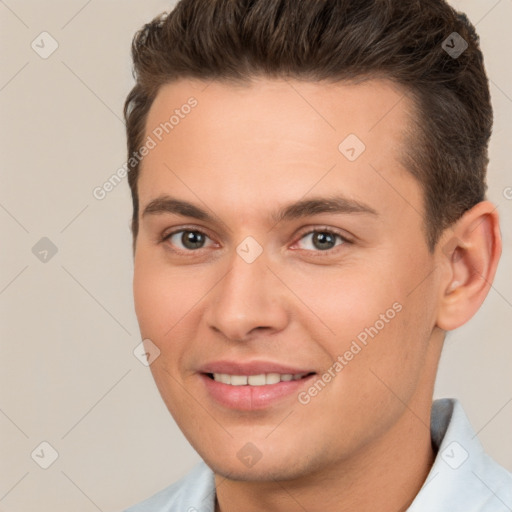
(462,477)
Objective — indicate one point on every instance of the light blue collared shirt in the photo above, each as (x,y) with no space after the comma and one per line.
(462,479)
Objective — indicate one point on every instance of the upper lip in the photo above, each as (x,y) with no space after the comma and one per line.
(251,368)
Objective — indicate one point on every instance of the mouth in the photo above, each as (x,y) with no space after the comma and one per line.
(251,387)
(262,379)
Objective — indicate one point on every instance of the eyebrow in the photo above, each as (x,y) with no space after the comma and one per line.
(300,209)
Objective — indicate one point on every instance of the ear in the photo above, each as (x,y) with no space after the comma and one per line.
(468,252)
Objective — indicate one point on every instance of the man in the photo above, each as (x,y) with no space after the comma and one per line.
(307,226)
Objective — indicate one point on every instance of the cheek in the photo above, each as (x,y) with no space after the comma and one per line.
(349,300)
(163,296)
(161,299)
(169,304)
(152,302)
(367,315)
(161,305)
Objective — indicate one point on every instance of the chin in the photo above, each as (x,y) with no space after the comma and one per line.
(263,470)
(262,474)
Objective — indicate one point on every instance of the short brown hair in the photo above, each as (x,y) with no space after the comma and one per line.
(336,40)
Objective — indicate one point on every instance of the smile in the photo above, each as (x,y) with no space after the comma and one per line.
(231,389)
(262,379)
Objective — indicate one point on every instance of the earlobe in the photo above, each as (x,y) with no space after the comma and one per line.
(468,252)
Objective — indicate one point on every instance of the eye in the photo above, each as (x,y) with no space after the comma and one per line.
(321,240)
(188,239)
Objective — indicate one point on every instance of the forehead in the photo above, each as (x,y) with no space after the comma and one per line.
(283,136)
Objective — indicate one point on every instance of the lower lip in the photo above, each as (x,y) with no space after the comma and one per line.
(248,398)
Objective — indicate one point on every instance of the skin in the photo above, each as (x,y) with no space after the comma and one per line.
(243,153)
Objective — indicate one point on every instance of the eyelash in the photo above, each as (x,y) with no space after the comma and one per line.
(343,238)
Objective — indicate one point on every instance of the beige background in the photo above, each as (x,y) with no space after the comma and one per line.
(68,375)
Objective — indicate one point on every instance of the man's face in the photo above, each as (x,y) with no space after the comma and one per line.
(258,277)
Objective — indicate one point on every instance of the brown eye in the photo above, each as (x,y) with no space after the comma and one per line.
(188,239)
(321,240)
(324,241)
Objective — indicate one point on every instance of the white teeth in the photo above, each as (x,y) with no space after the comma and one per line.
(238,380)
(256,380)
(271,378)
(222,377)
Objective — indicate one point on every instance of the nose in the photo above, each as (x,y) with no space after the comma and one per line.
(248,299)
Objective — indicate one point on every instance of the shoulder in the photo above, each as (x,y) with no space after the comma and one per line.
(193,493)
